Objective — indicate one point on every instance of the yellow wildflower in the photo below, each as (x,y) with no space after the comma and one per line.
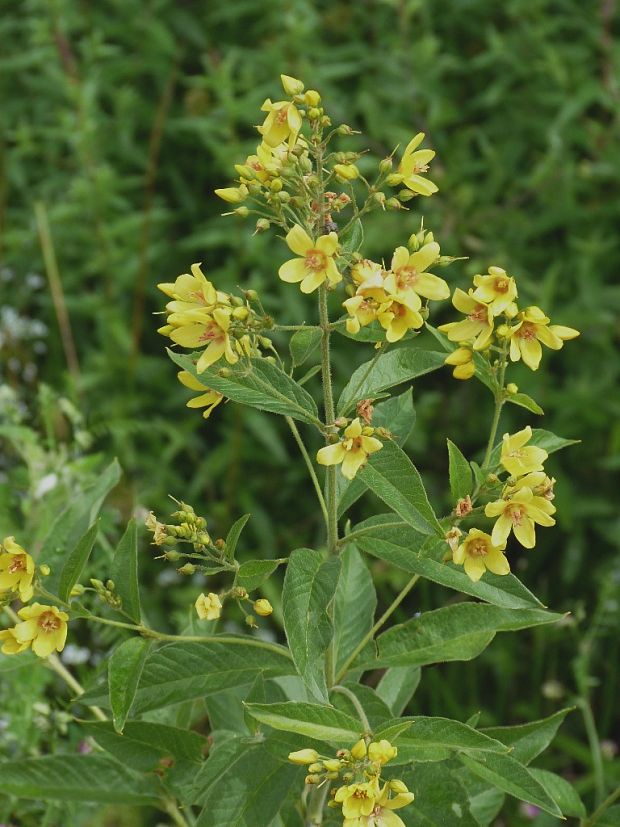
(398,315)
(518,459)
(533,328)
(352,450)
(16,569)
(263,607)
(380,752)
(316,263)
(367,273)
(208,399)
(208,606)
(233,195)
(477,326)
(413,165)
(497,289)
(304,756)
(463,361)
(283,122)
(210,329)
(383,814)
(189,292)
(408,273)
(479,552)
(42,628)
(519,514)
(158,529)
(358,799)
(538,481)
(362,310)
(260,166)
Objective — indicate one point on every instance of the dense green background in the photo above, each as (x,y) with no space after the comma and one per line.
(122,117)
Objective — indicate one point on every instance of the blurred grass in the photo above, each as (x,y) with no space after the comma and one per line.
(121,118)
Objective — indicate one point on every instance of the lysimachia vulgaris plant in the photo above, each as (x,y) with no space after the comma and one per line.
(311,731)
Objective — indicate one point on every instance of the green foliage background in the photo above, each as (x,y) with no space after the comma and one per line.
(122,117)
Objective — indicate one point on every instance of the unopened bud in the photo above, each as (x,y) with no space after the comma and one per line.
(240,313)
(347,172)
(318,767)
(172,556)
(262,225)
(332,764)
(44,570)
(188,568)
(263,607)
(385,165)
(358,751)
(276,185)
(512,388)
(393,204)
(405,195)
(312,779)
(250,621)
(110,585)
(239,593)
(242,212)
(224,373)
(413,243)
(77,590)
(345,129)
(394,179)
(314,113)
(312,97)
(292,86)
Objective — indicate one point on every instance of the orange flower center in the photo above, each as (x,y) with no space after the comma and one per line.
(478,548)
(502,285)
(418,167)
(516,514)
(48,622)
(479,314)
(212,333)
(316,260)
(407,276)
(198,297)
(360,794)
(18,564)
(282,115)
(527,331)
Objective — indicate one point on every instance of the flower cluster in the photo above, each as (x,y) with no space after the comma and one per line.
(525,501)
(521,331)
(41,628)
(363,799)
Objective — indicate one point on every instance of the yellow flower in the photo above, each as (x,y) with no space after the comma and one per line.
(16,569)
(538,481)
(283,122)
(260,166)
(367,273)
(519,514)
(398,315)
(408,274)
(477,326)
(357,799)
(316,263)
(412,166)
(380,752)
(233,195)
(208,399)
(383,814)
(303,756)
(463,360)
(497,289)
(352,450)
(208,606)
(479,552)
(158,529)
(189,292)
(42,628)
(263,607)
(533,328)
(518,459)
(362,311)
(210,329)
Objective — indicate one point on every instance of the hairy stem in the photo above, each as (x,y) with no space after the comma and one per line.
(356,703)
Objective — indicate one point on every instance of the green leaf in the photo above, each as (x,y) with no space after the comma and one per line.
(385,371)
(77,778)
(561,791)
(309,587)
(179,671)
(303,343)
(610,818)
(354,605)
(457,632)
(435,739)
(353,238)
(376,710)
(402,547)
(529,740)
(244,784)
(258,384)
(398,415)
(232,538)
(143,744)
(440,799)
(125,572)
(323,723)
(253,573)
(397,686)
(75,562)
(541,438)
(525,401)
(461,482)
(509,775)
(392,476)
(124,670)
(72,523)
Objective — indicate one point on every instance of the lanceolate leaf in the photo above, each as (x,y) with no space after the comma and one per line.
(77,778)
(124,671)
(75,562)
(440,799)
(561,791)
(461,480)
(397,685)
(392,476)
(258,384)
(125,572)
(458,632)
(309,587)
(253,573)
(529,740)
(525,401)
(354,605)
(389,369)
(303,343)
(232,538)
(322,723)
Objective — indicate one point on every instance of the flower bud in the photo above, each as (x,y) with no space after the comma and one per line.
(240,313)
(188,568)
(262,225)
(502,331)
(44,570)
(304,756)
(358,751)
(413,243)
(244,171)
(239,593)
(312,98)
(292,86)
(460,356)
(77,590)
(250,621)
(347,172)
(393,204)
(263,607)
(512,388)
(224,373)
(345,129)
(251,295)
(312,779)
(318,767)
(405,195)
(172,556)
(242,212)
(393,180)
(464,371)
(385,165)
(276,185)
(314,113)
(332,764)
(398,786)
(233,194)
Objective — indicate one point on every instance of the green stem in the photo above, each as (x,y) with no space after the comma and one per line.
(595,747)
(309,466)
(175,814)
(384,617)
(328,395)
(589,822)
(356,703)
(316,805)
